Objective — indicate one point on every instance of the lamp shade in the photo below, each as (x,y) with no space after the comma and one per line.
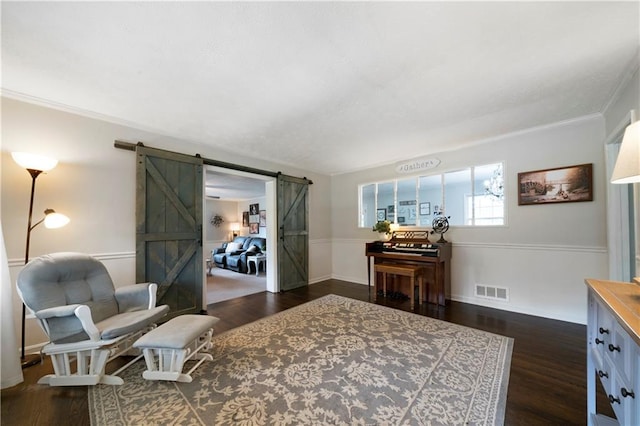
(235,226)
(627,168)
(34,162)
(54,220)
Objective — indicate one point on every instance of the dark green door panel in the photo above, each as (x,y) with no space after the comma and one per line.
(293,232)
(169,227)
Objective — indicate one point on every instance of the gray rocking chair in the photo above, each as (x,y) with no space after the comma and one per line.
(84,316)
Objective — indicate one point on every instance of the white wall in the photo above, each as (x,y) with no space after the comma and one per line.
(229,212)
(94,184)
(214,237)
(542,254)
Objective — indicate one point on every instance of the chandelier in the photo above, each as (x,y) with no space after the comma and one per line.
(495,185)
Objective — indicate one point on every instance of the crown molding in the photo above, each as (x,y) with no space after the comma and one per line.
(630,71)
(23,97)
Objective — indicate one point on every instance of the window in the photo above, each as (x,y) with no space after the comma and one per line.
(457,185)
(429,192)
(368,204)
(406,209)
(470,197)
(484,210)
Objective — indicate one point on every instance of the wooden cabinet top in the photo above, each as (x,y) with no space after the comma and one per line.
(623,300)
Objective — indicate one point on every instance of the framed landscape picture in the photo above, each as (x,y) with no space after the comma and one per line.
(559,185)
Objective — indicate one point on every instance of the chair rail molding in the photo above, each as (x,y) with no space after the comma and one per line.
(16,263)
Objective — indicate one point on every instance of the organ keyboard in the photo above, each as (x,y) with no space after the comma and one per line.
(419,249)
(414,248)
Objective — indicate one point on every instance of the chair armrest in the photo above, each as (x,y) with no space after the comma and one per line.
(56,312)
(82,312)
(84,315)
(136,297)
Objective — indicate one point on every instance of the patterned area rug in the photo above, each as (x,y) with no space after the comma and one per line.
(334,361)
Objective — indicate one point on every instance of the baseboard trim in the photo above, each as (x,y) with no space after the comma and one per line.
(516,309)
(319,279)
(355,280)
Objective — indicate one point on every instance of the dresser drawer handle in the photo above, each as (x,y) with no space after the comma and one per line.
(613,399)
(604,330)
(603,374)
(599,342)
(625,393)
(614,348)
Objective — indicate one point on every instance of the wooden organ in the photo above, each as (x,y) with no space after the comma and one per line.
(414,248)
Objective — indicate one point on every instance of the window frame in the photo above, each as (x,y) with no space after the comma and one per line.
(362,220)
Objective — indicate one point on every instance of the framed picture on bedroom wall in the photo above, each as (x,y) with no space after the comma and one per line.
(263,218)
(254,228)
(245,219)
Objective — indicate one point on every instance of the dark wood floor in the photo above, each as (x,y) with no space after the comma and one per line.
(547,384)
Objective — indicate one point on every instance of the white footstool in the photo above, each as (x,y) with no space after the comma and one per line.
(167,347)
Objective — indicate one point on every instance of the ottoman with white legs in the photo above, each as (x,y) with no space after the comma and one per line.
(167,347)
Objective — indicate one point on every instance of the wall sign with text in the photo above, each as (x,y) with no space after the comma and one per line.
(417,165)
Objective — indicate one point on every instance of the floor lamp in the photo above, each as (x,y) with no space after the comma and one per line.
(36,164)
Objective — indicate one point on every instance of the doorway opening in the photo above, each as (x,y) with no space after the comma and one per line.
(231,195)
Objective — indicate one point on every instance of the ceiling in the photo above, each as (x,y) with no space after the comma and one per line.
(223,185)
(329,87)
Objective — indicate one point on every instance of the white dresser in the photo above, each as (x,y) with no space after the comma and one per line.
(613,350)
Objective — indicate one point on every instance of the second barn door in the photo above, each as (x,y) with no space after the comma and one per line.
(293,232)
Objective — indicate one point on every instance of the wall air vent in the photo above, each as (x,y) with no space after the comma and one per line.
(492,292)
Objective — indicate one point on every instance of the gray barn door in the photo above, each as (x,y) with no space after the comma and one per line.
(169,227)
(293,232)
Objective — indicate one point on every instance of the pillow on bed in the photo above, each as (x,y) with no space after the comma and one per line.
(231,247)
